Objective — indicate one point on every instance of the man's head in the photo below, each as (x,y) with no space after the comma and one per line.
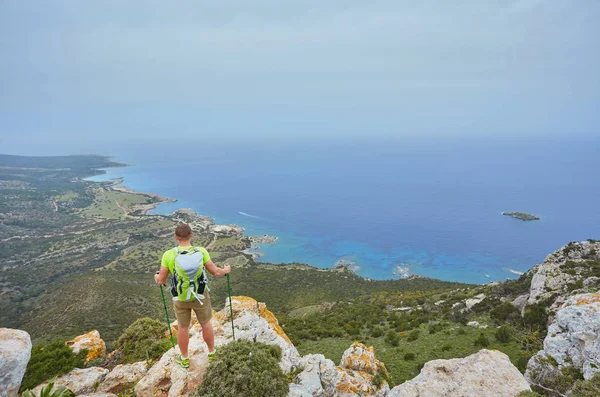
(183,232)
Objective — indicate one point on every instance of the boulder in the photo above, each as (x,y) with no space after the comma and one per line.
(123,377)
(469,303)
(573,338)
(15,350)
(486,373)
(298,391)
(354,377)
(550,278)
(520,302)
(91,342)
(79,381)
(167,378)
(254,322)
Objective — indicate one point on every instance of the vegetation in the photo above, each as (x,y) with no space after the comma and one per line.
(521,216)
(244,368)
(49,391)
(587,388)
(145,339)
(49,360)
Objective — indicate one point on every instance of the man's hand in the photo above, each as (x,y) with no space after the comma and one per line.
(226,269)
(161,276)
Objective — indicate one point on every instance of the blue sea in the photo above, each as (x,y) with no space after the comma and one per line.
(393,209)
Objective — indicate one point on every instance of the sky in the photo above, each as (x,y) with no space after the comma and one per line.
(79,73)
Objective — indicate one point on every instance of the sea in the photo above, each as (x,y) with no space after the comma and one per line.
(388,209)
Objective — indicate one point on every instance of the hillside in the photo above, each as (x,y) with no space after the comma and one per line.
(79,256)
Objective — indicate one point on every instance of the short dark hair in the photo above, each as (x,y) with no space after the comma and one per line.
(183,230)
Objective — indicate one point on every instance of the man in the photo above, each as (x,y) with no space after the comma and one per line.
(187,265)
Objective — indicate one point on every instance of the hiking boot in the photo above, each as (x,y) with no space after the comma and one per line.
(184,362)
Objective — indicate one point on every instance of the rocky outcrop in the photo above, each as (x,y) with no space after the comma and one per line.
(15,351)
(252,322)
(123,377)
(354,377)
(91,342)
(79,381)
(486,373)
(558,276)
(573,339)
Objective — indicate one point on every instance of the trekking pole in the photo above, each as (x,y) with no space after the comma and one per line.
(167,314)
(230,307)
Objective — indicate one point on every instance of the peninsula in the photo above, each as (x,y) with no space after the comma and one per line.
(522,216)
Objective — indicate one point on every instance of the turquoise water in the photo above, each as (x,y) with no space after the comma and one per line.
(393,209)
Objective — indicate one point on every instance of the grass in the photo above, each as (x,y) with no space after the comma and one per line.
(426,348)
(113,204)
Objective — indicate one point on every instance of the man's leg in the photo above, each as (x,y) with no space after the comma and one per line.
(183,340)
(208,335)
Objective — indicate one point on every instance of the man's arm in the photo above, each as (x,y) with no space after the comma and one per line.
(216,271)
(161,276)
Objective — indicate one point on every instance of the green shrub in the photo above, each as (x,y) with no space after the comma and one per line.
(446,347)
(482,341)
(376,332)
(414,335)
(47,391)
(503,334)
(144,339)
(244,368)
(409,356)
(50,360)
(535,317)
(504,312)
(392,338)
(587,388)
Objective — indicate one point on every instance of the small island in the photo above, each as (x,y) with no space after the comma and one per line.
(522,216)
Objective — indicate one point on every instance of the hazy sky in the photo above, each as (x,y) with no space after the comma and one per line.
(79,72)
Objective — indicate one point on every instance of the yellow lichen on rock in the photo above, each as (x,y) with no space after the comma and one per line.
(91,342)
(272,320)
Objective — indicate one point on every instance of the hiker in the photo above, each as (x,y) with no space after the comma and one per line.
(187,264)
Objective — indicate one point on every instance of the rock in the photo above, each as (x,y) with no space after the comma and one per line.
(92,342)
(573,338)
(123,377)
(486,373)
(469,303)
(354,377)
(15,350)
(550,278)
(254,322)
(79,381)
(520,302)
(298,391)
(98,395)
(476,324)
(360,358)
(167,378)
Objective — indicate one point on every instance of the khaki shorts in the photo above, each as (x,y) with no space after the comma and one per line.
(183,311)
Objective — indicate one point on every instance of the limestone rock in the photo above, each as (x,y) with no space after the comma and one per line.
(354,377)
(486,373)
(360,358)
(254,322)
(122,377)
(167,378)
(469,303)
(92,342)
(97,395)
(550,278)
(79,381)
(15,350)
(298,391)
(573,337)
(520,302)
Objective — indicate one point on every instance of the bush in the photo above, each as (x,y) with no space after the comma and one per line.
(503,334)
(144,339)
(504,312)
(529,394)
(414,335)
(446,347)
(50,360)
(409,356)
(244,368)
(47,391)
(482,341)
(587,388)
(535,317)
(392,338)
(376,332)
